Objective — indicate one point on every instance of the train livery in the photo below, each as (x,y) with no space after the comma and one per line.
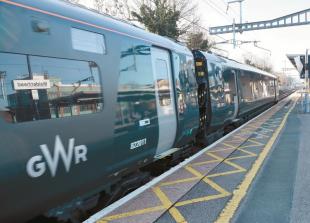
(87,101)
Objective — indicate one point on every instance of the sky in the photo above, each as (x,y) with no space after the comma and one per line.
(281,41)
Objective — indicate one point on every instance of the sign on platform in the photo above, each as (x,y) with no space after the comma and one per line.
(31,84)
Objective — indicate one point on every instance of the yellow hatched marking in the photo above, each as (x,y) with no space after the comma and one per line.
(235,140)
(253,141)
(256,142)
(208,181)
(247,152)
(231,207)
(222,191)
(167,204)
(239,169)
(249,146)
(239,157)
(209,161)
(260,127)
(101,221)
(274,125)
(220,150)
(248,130)
(200,199)
(231,146)
(205,162)
(250,154)
(253,126)
(179,181)
(260,134)
(133,213)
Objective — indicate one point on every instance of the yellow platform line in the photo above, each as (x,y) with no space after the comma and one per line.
(231,207)
(168,205)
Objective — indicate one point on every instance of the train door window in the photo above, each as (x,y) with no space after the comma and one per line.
(229,85)
(136,91)
(247,86)
(13,104)
(73,89)
(162,80)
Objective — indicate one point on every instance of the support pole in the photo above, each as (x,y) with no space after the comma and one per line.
(307,101)
(234,33)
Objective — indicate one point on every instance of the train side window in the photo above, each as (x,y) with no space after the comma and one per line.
(74,88)
(14,106)
(55,88)
(163,85)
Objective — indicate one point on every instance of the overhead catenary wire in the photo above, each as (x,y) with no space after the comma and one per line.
(206,29)
(219,11)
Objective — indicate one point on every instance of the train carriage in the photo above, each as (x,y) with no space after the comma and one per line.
(86,101)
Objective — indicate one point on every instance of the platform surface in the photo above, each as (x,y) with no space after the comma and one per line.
(258,173)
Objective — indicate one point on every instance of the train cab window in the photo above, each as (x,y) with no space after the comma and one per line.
(55,88)
(162,80)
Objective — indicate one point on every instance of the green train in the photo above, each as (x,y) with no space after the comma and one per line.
(87,102)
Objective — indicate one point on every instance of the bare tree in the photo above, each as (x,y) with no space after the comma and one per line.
(117,8)
(260,63)
(199,40)
(74,1)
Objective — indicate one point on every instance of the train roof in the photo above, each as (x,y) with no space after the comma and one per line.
(235,64)
(73,13)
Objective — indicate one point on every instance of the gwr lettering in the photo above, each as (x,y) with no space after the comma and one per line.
(137,144)
(36,166)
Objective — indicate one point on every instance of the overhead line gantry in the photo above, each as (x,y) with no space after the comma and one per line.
(294,19)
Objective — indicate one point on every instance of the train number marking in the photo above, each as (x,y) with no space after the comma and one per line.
(137,144)
(36,166)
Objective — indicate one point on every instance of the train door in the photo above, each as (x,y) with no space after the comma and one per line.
(164,99)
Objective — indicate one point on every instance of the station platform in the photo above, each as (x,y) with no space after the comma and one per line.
(257,173)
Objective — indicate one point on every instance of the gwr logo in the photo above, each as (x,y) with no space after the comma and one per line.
(36,166)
